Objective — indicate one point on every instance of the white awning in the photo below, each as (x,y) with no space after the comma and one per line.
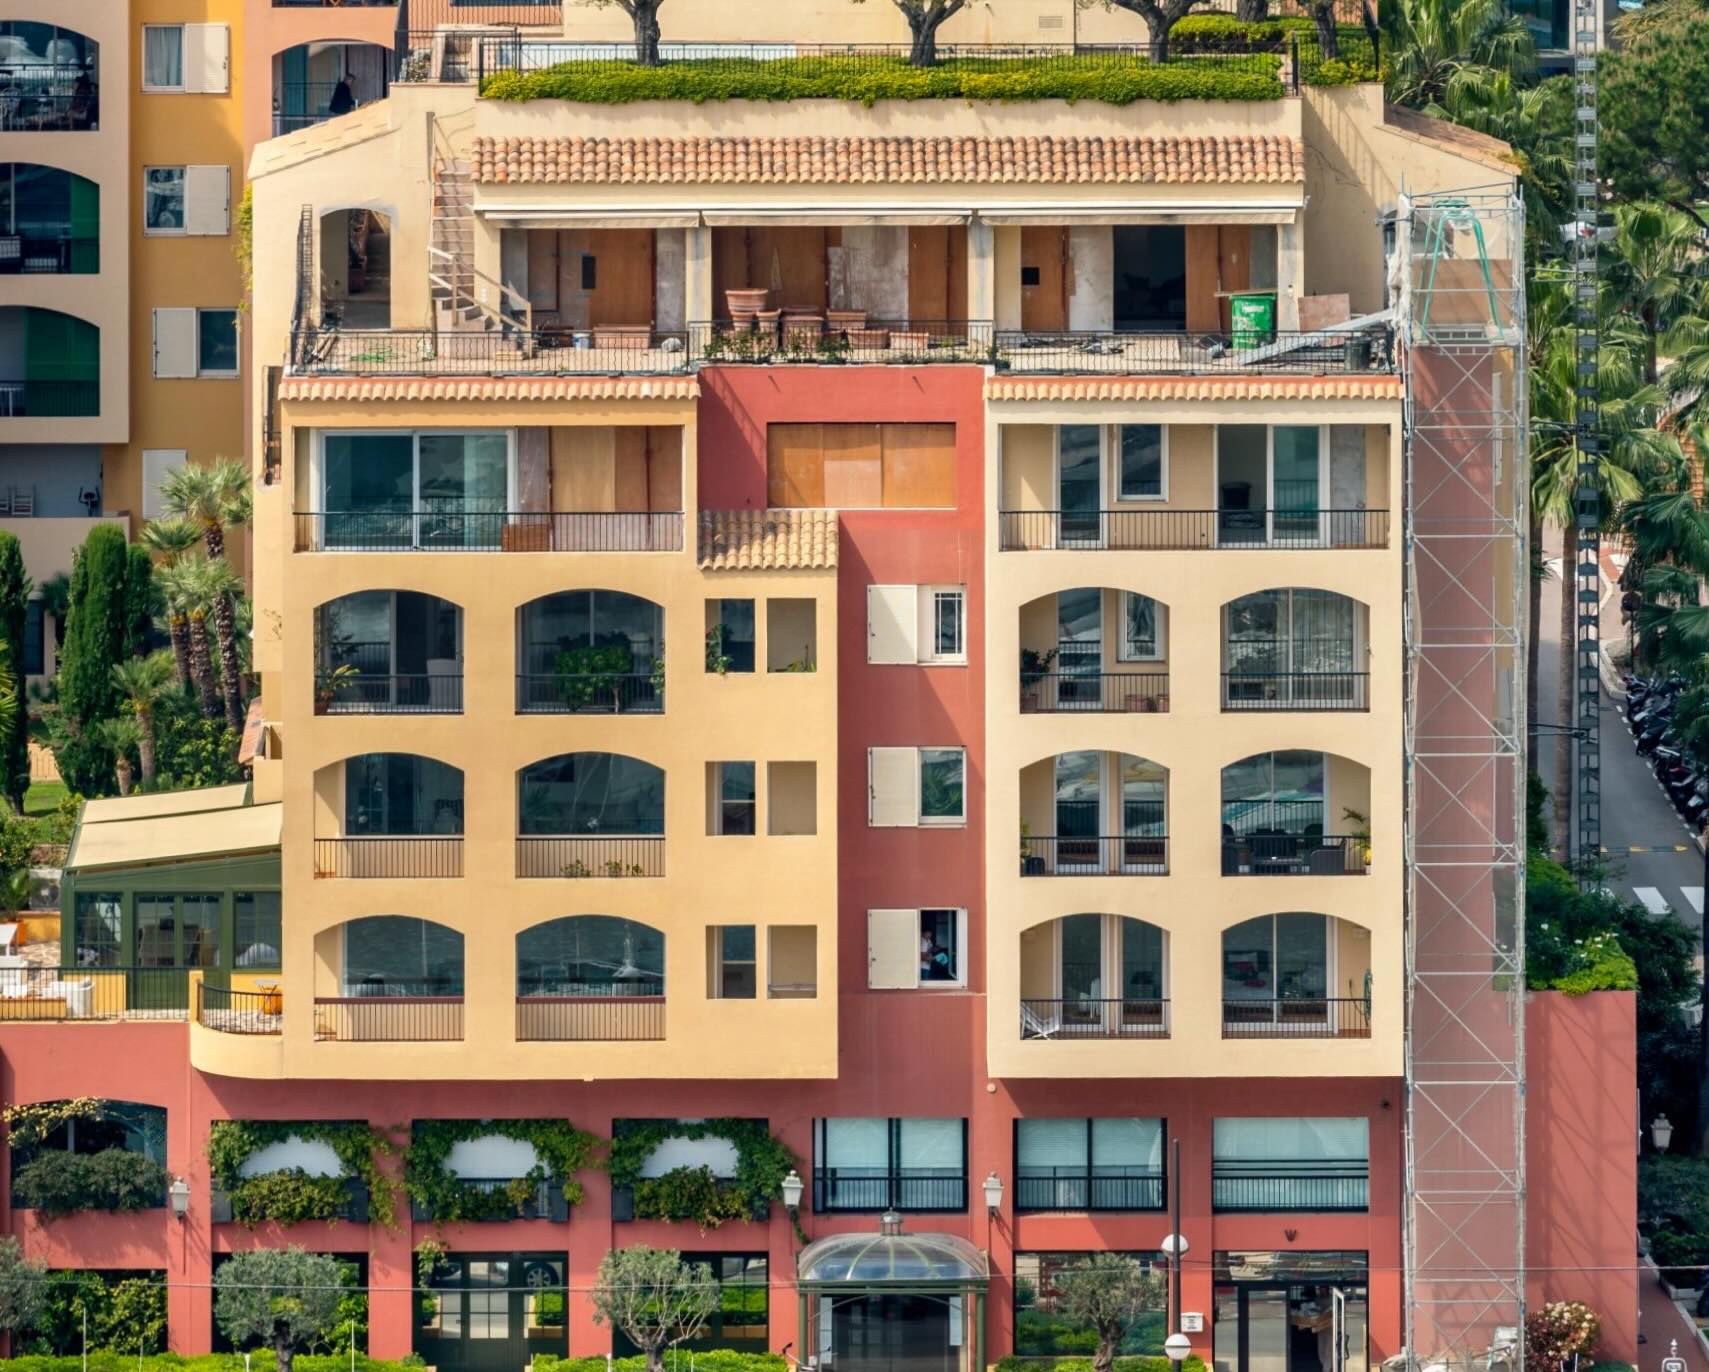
(852,216)
(1141,214)
(535,217)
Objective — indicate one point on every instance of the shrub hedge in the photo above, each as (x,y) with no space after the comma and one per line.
(261,1360)
(60,1183)
(869,80)
(709,1360)
(1013,1363)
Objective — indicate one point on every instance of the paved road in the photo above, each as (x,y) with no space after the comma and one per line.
(1651,855)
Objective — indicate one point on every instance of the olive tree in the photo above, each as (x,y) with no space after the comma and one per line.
(23,1288)
(1108,1292)
(282,1297)
(1159,18)
(644,15)
(654,1297)
(925,18)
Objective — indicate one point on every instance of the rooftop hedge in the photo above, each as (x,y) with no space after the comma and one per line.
(261,1360)
(868,80)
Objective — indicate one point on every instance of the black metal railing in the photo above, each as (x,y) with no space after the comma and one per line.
(23,398)
(1103,1188)
(90,992)
(239,1012)
(589,693)
(418,693)
(52,254)
(617,856)
(390,1015)
(1178,352)
(1270,1186)
(474,531)
(390,856)
(325,4)
(1076,1017)
(1295,855)
(814,339)
(617,1013)
(1297,1017)
(1183,530)
(532,1201)
(511,351)
(1295,691)
(55,109)
(1052,693)
(1065,855)
(882,1188)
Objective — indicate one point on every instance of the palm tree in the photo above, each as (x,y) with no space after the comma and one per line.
(217,586)
(1535,121)
(1439,46)
(214,498)
(121,733)
(1687,345)
(180,584)
(1656,270)
(143,680)
(170,540)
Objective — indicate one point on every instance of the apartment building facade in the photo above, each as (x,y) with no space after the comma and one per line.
(815,620)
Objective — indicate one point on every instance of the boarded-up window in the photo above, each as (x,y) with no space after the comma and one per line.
(861,466)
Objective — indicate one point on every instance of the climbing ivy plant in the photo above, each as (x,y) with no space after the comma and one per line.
(290,1195)
(29,1125)
(560,1148)
(694,1193)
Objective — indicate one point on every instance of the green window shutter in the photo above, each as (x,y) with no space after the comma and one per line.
(62,364)
(85,225)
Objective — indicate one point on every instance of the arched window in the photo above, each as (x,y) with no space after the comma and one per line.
(590,955)
(399,955)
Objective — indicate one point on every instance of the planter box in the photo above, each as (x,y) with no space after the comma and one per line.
(219,1206)
(907,340)
(869,338)
(625,337)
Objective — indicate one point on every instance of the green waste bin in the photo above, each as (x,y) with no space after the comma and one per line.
(1254,319)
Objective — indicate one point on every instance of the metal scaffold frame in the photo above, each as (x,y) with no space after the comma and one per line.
(1457,282)
(1587,499)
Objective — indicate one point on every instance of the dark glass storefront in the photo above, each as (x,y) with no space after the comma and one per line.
(492,1312)
(1291,1312)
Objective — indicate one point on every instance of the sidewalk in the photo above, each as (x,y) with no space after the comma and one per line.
(1660,1321)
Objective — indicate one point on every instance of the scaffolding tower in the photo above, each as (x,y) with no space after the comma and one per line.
(1457,282)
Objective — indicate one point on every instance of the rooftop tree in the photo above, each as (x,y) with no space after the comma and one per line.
(925,18)
(1159,18)
(644,15)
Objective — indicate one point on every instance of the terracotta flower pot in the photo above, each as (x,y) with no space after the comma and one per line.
(746,299)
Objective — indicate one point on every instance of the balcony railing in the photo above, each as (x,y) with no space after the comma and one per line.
(1061,693)
(1106,1188)
(1295,691)
(1080,1018)
(1271,1186)
(1063,855)
(22,398)
(556,856)
(420,693)
(618,1013)
(1297,1017)
(390,856)
(239,1012)
(483,531)
(90,993)
(591,693)
(810,338)
(1186,530)
(1295,855)
(881,1188)
(391,1015)
(55,254)
(1178,352)
(504,1198)
(514,351)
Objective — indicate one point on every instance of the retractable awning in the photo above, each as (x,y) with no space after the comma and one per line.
(1091,215)
(852,216)
(534,217)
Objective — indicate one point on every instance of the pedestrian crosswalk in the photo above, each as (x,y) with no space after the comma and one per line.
(1651,898)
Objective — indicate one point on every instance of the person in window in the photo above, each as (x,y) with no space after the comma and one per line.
(343,98)
(934,960)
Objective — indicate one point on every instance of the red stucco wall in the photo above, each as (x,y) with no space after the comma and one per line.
(1581,1158)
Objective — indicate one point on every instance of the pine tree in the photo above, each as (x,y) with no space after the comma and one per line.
(14,610)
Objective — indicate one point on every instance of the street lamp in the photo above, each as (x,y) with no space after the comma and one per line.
(178,1195)
(792,1190)
(1661,1132)
(993,1193)
(1176,1348)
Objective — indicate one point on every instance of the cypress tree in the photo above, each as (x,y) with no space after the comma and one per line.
(98,629)
(14,611)
(141,603)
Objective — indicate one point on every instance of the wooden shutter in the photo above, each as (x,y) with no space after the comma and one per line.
(893,788)
(174,343)
(919,466)
(207,58)
(207,200)
(892,950)
(891,618)
(795,461)
(157,465)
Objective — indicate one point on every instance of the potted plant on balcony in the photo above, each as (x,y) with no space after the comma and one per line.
(1034,666)
(1032,865)
(588,675)
(329,687)
(1361,834)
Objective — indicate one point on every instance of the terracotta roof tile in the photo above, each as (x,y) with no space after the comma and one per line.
(489,388)
(1375,386)
(767,540)
(902,160)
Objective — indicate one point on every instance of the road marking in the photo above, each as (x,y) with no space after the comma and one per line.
(1651,900)
(1652,848)
(1693,896)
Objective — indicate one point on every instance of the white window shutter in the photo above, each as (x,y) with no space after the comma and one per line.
(893,788)
(157,465)
(892,617)
(174,343)
(207,200)
(892,950)
(207,58)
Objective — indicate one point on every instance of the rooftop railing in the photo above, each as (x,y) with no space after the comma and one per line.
(94,993)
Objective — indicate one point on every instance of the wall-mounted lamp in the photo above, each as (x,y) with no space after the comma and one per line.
(792,1188)
(1661,1132)
(993,1189)
(178,1197)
